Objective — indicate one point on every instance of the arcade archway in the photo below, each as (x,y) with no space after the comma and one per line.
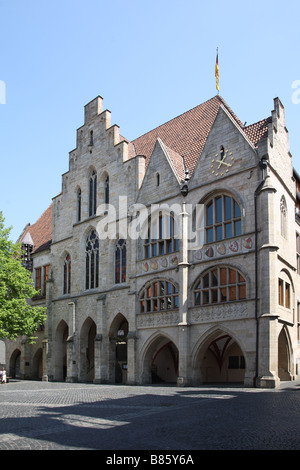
(220,360)
(160,361)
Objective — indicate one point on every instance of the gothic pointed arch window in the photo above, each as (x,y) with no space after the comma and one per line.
(120,262)
(283,217)
(67,275)
(92,261)
(93,194)
(106,190)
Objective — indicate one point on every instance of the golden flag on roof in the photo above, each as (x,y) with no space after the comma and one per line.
(217,71)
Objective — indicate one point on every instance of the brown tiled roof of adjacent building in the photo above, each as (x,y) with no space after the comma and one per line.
(40,232)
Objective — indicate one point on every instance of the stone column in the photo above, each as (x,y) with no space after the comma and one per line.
(72,366)
(131,348)
(184,376)
(101,361)
(268,352)
(45,354)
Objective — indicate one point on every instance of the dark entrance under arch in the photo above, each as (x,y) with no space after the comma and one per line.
(161,362)
(284,367)
(222,361)
(15,364)
(118,350)
(87,348)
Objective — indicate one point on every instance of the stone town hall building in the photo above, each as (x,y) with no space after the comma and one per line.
(130,299)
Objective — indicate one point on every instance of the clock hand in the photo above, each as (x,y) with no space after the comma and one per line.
(223,163)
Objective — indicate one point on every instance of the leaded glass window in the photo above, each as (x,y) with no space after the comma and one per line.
(93,194)
(162,236)
(220,284)
(92,261)
(120,262)
(159,296)
(67,275)
(222,219)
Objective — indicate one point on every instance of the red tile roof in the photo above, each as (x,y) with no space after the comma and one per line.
(40,232)
(187,134)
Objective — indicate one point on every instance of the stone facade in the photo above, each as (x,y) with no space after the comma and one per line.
(223,308)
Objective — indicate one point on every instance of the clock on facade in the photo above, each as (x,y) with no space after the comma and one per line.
(221,164)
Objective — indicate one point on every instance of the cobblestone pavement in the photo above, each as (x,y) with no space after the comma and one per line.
(48,415)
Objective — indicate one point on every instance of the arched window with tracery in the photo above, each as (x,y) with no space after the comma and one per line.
(120,262)
(92,261)
(222,218)
(162,236)
(67,275)
(218,285)
(159,296)
(106,190)
(93,193)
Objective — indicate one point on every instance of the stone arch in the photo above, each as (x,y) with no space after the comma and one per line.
(159,360)
(15,364)
(219,357)
(117,362)
(87,351)
(284,355)
(60,351)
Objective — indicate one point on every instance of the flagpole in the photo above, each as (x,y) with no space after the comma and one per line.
(217,71)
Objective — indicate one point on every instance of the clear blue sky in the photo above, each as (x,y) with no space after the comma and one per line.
(150,60)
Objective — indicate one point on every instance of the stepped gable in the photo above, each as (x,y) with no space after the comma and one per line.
(186,134)
(40,232)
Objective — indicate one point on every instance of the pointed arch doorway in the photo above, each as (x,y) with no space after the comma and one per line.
(284,356)
(87,351)
(118,350)
(161,361)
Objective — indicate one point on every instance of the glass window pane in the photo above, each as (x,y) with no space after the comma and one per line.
(209,214)
(242,292)
(214,277)
(206,280)
(228,211)
(237,210)
(214,295)
(223,293)
(232,293)
(205,297)
(154,249)
(228,230)
(209,235)
(219,211)
(219,232)
(197,298)
(223,276)
(238,228)
(232,276)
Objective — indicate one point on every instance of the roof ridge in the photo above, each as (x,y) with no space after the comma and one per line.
(178,116)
